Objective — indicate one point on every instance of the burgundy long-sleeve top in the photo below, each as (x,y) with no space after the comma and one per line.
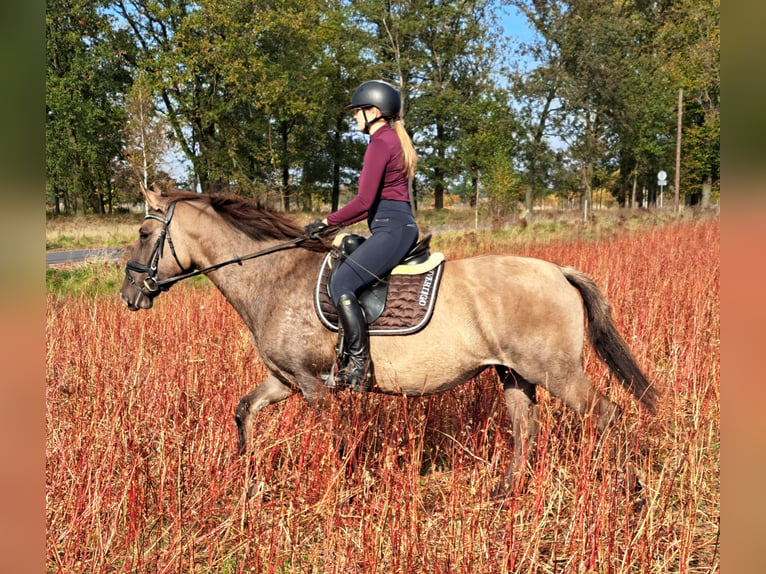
(382,175)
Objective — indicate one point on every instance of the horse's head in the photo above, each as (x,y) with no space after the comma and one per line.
(153,259)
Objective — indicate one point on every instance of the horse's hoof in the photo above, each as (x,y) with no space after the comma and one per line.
(501,491)
(331,382)
(258,488)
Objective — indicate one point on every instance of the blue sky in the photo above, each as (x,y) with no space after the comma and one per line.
(515,24)
(516,29)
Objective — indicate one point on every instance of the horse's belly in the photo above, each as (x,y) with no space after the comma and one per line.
(421,377)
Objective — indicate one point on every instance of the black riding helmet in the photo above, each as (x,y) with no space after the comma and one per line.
(379,94)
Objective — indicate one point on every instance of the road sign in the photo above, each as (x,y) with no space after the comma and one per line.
(662,181)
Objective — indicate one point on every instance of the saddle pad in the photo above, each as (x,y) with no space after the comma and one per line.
(409,306)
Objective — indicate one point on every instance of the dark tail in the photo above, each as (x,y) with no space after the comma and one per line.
(607,341)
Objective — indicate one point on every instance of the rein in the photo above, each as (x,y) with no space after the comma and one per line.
(152,286)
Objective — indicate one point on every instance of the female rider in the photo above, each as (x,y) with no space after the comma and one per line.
(383,198)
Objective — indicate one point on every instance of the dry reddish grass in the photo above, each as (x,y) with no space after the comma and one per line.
(142,474)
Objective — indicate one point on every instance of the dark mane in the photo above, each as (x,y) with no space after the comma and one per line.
(249,217)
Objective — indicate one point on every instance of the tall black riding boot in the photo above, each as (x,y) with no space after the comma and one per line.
(357,373)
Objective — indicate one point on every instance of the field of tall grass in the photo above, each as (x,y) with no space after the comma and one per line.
(142,473)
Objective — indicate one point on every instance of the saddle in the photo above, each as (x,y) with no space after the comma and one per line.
(401,303)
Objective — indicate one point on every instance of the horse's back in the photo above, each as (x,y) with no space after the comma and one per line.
(509,280)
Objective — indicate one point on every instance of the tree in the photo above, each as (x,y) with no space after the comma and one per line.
(488,147)
(330,151)
(537,94)
(86,79)
(145,133)
(597,54)
(440,54)
(689,44)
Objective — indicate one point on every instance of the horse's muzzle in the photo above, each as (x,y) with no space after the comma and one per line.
(134,298)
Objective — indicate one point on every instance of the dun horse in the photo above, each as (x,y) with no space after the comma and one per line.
(521,316)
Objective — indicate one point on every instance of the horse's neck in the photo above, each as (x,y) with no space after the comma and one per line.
(256,285)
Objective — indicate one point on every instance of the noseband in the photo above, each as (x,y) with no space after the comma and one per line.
(151,286)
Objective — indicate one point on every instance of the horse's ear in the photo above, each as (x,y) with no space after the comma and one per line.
(152,196)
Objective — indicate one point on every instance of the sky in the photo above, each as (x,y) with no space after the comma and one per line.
(517,30)
(515,24)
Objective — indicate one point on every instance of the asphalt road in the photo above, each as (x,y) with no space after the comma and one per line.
(80,255)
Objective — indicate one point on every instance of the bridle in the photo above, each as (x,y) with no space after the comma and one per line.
(153,286)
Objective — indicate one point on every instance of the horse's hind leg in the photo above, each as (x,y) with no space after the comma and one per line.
(578,393)
(270,391)
(521,402)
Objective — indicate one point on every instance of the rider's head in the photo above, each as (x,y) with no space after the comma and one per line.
(381,97)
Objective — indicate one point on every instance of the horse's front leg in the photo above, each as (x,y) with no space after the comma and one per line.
(270,391)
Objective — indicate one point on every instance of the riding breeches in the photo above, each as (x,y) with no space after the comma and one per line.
(394,233)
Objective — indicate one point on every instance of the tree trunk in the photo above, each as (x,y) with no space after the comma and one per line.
(285,168)
(439,195)
(529,198)
(438,189)
(438,171)
(635,183)
(707,189)
(96,203)
(586,172)
(337,146)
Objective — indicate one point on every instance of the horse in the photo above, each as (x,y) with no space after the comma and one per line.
(522,316)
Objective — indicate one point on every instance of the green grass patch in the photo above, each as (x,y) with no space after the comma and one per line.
(92,278)
(96,278)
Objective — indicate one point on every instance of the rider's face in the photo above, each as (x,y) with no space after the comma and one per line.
(369,113)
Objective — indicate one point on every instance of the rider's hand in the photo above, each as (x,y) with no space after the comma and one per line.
(314,229)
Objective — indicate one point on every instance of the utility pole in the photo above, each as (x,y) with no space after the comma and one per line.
(478,183)
(678,144)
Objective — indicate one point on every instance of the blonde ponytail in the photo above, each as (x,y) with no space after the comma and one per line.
(409,155)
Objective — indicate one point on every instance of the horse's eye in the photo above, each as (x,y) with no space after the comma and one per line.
(143,234)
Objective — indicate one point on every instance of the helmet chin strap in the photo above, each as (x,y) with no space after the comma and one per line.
(368,123)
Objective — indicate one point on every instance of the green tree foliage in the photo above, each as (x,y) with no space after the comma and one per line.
(327,152)
(252,93)
(442,55)
(536,94)
(689,43)
(86,78)
(598,57)
(606,89)
(487,150)
(252,89)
